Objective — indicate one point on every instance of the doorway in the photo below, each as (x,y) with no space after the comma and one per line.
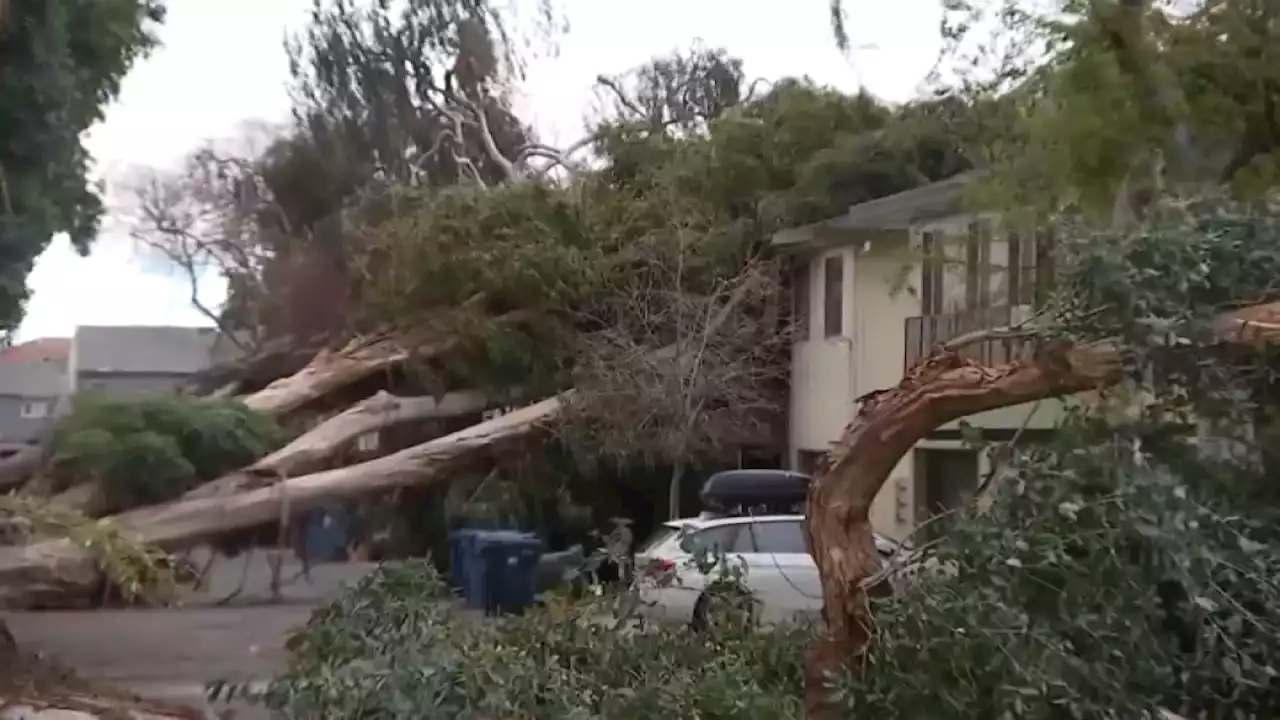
(944,480)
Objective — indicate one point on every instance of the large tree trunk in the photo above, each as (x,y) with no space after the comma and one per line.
(942,388)
(34,574)
(19,467)
(318,448)
(330,371)
(60,569)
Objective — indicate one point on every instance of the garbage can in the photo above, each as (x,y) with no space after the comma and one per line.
(460,550)
(510,562)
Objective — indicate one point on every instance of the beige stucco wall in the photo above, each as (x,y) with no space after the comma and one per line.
(881,279)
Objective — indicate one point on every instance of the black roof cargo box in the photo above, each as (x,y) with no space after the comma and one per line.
(757,492)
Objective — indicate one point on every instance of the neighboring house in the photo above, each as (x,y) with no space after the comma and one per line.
(38,378)
(875,289)
(126,361)
(34,385)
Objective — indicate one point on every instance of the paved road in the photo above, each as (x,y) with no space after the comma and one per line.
(171,653)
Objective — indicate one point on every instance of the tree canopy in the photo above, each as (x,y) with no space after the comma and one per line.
(62,63)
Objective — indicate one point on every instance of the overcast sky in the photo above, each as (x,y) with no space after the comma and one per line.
(222,64)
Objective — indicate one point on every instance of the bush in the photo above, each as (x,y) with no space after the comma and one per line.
(395,647)
(1112,576)
(155,448)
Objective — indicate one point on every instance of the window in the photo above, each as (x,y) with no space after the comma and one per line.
(800,301)
(1022,268)
(977,264)
(1043,267)
(984,264)
(808,461)
(35,410)
(786,536)
(720,538)
(833,294)
(930,275)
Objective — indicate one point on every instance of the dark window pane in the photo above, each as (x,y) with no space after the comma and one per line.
(800,300)
(930,275)
(779,537)
(714,540)
(833,315)
(972,260)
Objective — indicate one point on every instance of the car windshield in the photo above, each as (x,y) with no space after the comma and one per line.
(659,536)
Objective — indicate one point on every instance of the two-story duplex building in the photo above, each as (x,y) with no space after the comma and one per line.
(130,360)
(39,378)
(875,289)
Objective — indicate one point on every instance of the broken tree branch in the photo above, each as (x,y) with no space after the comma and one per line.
(316,449)
(938,390)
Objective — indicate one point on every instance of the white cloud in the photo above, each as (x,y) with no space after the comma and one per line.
(223,63)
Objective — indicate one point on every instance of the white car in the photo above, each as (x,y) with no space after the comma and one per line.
(770,549)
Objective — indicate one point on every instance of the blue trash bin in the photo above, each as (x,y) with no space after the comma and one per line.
(509,577)
(461,543)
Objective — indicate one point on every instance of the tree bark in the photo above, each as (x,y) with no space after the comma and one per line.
(317,449)
(942,388)
(19,467)
(34,574)
(330,371)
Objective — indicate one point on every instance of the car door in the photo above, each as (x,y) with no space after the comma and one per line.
(678,597)
(781,572)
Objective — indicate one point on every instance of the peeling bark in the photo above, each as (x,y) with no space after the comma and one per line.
(942,388)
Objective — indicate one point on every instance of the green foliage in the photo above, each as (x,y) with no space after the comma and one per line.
(155,448)
(395,646)
(60,64)
(1109,578)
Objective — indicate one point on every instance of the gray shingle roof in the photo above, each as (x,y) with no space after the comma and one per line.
(39,379)
(145,349)
(893,212)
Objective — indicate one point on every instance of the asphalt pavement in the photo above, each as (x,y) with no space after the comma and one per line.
(170,653)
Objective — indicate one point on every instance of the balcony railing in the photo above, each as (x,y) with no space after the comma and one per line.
(924,332)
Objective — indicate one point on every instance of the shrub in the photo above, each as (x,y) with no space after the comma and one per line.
(1112,576)
(155,448)
(396,647)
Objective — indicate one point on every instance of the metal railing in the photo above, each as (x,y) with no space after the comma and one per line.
(924,332)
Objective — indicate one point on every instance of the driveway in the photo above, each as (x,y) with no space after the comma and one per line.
(171,653)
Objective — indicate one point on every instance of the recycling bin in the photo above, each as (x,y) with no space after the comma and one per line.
(461,543)
(509,570)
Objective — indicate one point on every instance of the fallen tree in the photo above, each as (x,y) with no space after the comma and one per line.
(33,573)
(59,568)
(942,388)
(317,449)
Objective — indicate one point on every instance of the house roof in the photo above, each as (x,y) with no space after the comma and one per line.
(36,350)
(146,349)
(892,212)
(38,379)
